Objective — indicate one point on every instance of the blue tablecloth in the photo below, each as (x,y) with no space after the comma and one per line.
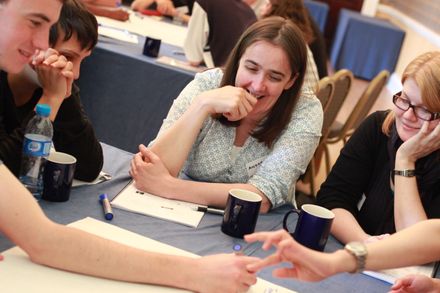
(205,239)
(125,94)
(319,12)
(365,45)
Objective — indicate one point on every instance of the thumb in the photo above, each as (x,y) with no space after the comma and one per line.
(148,154)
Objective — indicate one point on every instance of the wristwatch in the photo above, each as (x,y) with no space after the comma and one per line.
(359,251)
(405,173)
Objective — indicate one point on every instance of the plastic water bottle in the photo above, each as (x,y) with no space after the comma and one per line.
(36,147)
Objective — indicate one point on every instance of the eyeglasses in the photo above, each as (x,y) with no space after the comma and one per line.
(420,112)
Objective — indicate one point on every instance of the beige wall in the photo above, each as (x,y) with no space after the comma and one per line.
(418,38)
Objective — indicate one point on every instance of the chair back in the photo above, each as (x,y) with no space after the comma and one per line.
(365,103)
(325,92)
(326,88)
(343,79)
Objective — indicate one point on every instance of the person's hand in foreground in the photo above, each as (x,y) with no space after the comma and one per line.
(307,264)
(226,273)
(416,284)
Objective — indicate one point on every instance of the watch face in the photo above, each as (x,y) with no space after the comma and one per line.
(358,248)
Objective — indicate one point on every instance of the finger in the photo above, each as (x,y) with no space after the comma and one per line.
(397,285)
(133,169)
(148,155)
(248,279)
(270,260)
(248,105)
(69,82)
(38,57)
(50,60)
(49,52)
(425,128)
(60,63)
(285,273)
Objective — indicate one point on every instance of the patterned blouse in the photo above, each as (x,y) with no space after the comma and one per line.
(273,171)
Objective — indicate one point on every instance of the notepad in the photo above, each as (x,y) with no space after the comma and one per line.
(179,64)
(19,274)
(134,200)
(391,275)
(118,34)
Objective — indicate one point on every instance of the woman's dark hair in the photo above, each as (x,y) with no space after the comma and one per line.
(75,19)
(297,12)
(285,34)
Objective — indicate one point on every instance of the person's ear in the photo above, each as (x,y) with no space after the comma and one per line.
(291,82)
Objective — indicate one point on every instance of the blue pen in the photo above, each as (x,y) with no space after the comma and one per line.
(108,213)
(238,249)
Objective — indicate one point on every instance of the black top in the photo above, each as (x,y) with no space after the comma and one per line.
(227,21)
(73,132)
(363,167)
(318,48)
(177,3)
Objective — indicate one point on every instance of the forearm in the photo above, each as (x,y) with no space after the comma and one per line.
(210,194)
(346,228)
(408,208)
(23,221)
(77,251)
(54,102)
(183,134)
(407,247)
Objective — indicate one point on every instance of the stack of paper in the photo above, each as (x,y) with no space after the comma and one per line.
(19,274)
(391,275)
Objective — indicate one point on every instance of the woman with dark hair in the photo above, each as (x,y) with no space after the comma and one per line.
(298,13)
(71,39)
(249,125)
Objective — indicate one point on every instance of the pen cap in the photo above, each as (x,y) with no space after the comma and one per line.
(102,197)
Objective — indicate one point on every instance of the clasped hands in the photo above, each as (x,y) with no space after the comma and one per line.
(55,73)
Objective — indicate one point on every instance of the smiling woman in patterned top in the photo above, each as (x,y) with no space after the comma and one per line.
(249,125)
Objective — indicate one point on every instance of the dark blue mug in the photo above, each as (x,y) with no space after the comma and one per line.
(151,47)
(241,213)
(58,176)
(313,226)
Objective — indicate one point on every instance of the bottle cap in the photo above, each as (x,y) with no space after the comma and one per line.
(43,110)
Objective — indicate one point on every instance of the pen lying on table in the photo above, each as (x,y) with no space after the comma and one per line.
(210,210)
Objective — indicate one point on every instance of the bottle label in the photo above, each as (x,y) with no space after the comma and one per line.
(36,145)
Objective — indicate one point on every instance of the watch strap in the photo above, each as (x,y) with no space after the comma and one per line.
(405,173)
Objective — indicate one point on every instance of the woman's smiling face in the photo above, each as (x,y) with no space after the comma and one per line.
(407,123)
(264,71)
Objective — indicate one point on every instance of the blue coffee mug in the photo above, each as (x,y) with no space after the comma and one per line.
(151,47)
(241,213)
(313,226)
(58,176)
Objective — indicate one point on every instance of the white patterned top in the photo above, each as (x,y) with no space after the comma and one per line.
(272,171)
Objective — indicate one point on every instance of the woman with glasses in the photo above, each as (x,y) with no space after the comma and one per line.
(387,176)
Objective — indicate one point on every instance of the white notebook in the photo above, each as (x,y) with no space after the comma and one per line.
(19,274)
(140,202)
(391,275)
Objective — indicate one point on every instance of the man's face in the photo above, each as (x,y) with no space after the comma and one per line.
(25,28)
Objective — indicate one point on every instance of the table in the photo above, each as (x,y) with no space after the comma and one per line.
(319,12)
(365,45)
(206,239)
(125,94)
